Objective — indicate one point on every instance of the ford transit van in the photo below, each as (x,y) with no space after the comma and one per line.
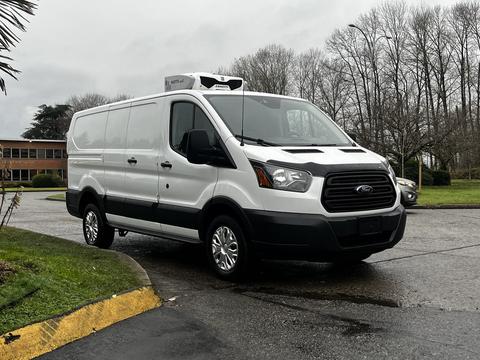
(246,174)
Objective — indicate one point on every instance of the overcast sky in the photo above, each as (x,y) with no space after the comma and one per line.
(117,46)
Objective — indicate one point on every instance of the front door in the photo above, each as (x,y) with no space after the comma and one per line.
(184,187)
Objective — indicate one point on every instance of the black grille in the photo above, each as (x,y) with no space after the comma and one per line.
(339,193)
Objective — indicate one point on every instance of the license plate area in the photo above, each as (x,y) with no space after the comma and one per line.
(370,225)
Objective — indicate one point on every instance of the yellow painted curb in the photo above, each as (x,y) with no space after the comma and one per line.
(40,338)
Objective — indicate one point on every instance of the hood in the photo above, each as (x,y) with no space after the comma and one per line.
(322,155)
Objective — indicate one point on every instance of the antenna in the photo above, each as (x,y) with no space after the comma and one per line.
(242,143)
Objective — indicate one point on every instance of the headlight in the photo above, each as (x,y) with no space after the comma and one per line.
(390,170)
(406,183)
(275,177)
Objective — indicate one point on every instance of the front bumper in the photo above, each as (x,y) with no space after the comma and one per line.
(316,237)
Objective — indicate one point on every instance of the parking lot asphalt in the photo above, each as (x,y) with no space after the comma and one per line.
(418,300)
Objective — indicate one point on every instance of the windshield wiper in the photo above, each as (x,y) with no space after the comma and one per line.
(258,141)
(313,144)
(322,145)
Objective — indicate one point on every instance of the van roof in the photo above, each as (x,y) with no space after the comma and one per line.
(176,92)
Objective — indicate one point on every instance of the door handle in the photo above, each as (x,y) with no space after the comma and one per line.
(166,164)
(132,160)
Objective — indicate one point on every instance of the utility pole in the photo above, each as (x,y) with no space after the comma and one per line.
(420,165)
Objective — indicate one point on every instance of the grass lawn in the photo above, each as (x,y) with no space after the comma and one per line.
(57,197)
(29,189)
(42,276)
(465,192)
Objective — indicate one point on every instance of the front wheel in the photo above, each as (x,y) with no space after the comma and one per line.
(227,249)
(95,231)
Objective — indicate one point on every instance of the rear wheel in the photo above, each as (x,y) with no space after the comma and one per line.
(227,250)
(95,231)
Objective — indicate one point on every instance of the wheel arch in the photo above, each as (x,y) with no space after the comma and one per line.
(222,205)
(89,196)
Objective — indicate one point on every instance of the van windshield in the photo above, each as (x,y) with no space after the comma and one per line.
(277,121)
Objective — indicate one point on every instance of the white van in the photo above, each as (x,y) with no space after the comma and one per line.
(247,174)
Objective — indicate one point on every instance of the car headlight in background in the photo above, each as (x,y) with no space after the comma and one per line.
(275,177)
(407,183)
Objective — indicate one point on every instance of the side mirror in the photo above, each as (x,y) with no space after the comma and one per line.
(352,135)
(198,147)
(199,150)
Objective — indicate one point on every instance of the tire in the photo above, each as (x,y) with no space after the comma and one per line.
(95,231)
(228,252)
(350,258)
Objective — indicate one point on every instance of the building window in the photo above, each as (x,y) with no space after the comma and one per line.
(64,154)
(7,153)
(24,153)
(33,173)
(24,175)
(58,154)
(49,153)
(32,153)
(41,154)
(15,153)
(16,175)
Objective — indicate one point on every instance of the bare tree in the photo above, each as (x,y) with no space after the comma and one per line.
(405,78)
(270,69)
(78,103)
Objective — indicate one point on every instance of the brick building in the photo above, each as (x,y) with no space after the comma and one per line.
(26,158)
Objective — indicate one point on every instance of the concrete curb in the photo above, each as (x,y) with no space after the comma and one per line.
(136,267)
(42,337)
(435,207)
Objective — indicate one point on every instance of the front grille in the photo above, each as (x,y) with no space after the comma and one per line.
(339,193)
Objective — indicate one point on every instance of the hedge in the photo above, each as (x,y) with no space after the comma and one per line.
(46,180)
(441,178)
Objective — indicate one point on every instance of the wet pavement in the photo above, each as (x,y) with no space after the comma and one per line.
(418,300)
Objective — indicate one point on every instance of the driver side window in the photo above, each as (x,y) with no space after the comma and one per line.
(186,116)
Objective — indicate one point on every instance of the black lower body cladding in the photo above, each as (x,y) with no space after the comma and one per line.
(316,237)
(274,234)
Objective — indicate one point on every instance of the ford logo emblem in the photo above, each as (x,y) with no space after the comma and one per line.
(364,189)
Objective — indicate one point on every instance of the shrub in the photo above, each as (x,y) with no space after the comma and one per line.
(411,172)
(441,178)
(24,184)
(46,180)
(463,174)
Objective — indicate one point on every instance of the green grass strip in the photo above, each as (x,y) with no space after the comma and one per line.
(461,192)
(53,276)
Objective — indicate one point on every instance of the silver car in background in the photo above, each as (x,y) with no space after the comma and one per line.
(409,191)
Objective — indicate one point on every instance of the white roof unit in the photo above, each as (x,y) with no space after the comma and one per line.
(203,81)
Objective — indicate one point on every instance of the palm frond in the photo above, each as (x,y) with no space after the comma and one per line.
(12,20)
